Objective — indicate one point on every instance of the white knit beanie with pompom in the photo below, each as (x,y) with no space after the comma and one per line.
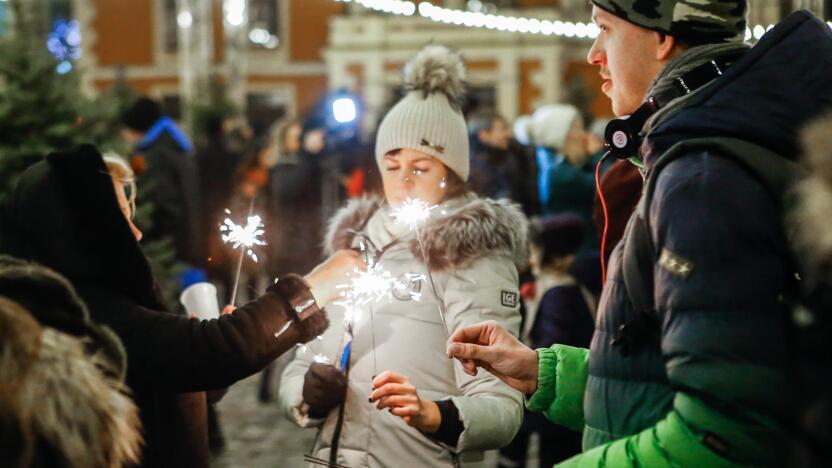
(429,118)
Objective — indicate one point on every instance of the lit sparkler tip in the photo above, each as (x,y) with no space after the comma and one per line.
(412,212)
(247,236)
(365,287)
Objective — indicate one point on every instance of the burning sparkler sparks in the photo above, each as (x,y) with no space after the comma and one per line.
(368,286)
(243,236)
(412,212)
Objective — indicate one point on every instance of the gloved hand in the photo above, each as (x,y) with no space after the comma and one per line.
(324,388)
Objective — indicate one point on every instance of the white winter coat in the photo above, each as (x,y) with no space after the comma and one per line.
(474,247)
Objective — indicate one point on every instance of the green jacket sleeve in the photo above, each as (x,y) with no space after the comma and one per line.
(671,443)
(562,374)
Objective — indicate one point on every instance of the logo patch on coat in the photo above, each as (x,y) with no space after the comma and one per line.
(408,287)
(508,298)
(676,264)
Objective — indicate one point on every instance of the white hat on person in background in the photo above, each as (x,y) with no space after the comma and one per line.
(523,130)
(551,124)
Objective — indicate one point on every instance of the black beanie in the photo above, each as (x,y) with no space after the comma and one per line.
(142,114)
(560,235)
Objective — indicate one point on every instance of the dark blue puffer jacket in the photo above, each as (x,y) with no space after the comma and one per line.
(718,354)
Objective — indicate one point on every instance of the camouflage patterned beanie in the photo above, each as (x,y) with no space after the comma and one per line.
(694,21)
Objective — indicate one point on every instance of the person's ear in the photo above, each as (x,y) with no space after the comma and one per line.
(666,47)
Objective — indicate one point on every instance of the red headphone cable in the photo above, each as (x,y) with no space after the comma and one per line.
(606,218)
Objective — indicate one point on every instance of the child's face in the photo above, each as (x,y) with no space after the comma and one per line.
(534,257)
(409,173)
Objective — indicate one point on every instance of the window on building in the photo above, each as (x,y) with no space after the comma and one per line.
(171,28)
(263,23)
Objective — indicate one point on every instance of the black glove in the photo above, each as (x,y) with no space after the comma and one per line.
(324,388)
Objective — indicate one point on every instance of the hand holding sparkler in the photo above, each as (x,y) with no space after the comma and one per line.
(490,346)
(325,279)
(394,391)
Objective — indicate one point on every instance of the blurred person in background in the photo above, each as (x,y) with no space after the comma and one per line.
(303,188)
(494,173)
(217,162)
(166,170)
(566,174)
(562,311)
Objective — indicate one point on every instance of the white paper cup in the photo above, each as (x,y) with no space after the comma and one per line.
(200,300)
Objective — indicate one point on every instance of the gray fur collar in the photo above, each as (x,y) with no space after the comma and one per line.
(475,228)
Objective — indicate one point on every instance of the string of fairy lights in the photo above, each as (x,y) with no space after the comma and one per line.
(515,24)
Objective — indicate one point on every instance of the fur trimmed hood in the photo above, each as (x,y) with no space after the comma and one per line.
(469,229)
(55,303)
(67,407)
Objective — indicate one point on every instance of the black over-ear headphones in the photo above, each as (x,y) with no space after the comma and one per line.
(623,136)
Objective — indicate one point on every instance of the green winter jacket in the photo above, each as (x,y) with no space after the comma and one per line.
(672,442)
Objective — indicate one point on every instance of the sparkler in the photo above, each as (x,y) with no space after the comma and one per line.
(243,238)
(413,212)
(365,287)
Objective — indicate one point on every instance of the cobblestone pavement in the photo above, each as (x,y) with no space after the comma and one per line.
(258,436)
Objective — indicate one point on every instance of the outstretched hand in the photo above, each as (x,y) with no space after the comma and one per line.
(334,271)
(492,347)
(394,391)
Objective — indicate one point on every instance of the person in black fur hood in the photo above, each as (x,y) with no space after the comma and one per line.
(70,213)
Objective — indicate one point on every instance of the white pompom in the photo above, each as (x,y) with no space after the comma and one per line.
(437,69)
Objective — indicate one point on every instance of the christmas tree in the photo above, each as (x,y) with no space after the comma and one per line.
(41,106)
(42,109)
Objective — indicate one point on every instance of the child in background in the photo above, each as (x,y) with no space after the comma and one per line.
(562,312)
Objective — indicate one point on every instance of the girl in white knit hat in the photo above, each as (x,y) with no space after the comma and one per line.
(396,399)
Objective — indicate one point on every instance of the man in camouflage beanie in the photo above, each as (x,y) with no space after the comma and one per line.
(690,21)
(692,357)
